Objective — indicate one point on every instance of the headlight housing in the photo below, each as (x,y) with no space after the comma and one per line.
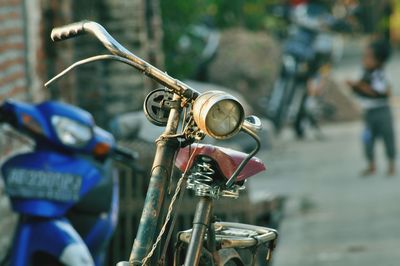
(70,132)
(218,114)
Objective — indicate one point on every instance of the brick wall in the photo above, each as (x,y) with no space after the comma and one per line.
(13,83)
(12,50)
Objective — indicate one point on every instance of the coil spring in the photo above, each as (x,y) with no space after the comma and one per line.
(203,173)
(200,180)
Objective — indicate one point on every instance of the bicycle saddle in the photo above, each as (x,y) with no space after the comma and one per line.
(227,160)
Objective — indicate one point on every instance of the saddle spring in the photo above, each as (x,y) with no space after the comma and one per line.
(201,182)
(200,178)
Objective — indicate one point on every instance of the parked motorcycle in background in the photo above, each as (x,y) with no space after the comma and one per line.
(308,52)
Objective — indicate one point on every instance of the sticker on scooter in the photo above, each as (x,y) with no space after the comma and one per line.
(27,183)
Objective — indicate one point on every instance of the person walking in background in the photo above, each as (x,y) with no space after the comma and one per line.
(373,90)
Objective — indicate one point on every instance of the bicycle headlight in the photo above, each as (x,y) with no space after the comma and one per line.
(70,132)
(218,114)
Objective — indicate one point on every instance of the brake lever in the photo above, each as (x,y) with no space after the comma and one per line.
(87,61)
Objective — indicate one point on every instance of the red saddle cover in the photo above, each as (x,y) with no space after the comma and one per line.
(227,159)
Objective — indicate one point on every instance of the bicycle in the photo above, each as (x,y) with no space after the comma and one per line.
(210,171)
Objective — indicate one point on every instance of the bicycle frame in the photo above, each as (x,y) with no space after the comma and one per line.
(167,145)
(161,172)
(201,223)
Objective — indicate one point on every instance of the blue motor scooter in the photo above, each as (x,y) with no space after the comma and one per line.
(65,190)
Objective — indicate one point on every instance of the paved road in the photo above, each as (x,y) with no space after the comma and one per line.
(333,216)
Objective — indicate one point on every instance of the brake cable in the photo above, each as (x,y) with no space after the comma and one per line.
(86,61)
(173,221)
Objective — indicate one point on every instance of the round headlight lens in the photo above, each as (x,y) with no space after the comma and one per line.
(70,132)
(218,114)
(223,118)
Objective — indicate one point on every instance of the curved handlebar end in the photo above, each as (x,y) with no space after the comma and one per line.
(93,28)
(68,31)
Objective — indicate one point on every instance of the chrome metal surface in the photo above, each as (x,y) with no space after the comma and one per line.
(146,68)
(203,185)
(237,235)
(233,178)
(86,61)
(203,105)
(252,123)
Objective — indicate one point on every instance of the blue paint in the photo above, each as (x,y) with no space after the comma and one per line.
(42,114)
(46,224)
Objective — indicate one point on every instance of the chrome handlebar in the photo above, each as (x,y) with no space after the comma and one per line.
(93,28)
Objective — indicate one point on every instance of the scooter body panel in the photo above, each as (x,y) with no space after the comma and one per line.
(47,183)
(36,121)
(54,237)
(67,197)
(58,216)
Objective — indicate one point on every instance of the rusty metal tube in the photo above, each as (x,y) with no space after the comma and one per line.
(200,225)
(159,180)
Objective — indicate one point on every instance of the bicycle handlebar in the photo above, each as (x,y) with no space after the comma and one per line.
(93,28)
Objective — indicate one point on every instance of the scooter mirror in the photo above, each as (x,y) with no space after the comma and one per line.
(252,123)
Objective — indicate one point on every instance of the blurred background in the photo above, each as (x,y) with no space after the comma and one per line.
(312,193)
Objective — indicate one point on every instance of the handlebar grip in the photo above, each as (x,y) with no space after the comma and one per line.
(68,31)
